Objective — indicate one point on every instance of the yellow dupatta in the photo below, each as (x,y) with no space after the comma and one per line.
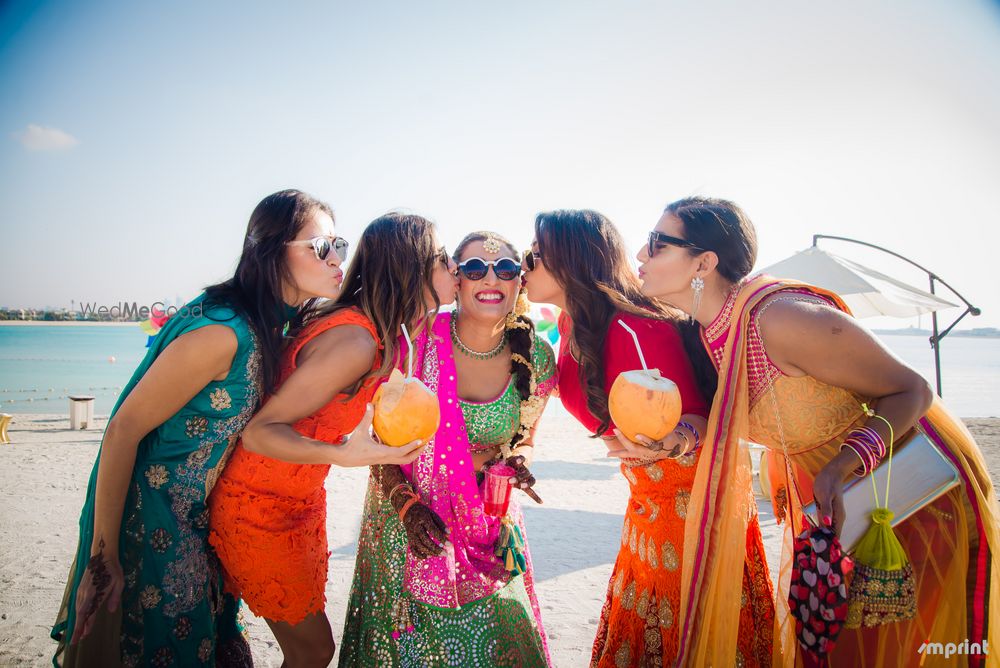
(721,506)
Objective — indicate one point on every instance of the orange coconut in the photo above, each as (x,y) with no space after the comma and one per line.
(644,402)
(405,411)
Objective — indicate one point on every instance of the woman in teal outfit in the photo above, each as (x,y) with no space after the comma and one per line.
(144,588)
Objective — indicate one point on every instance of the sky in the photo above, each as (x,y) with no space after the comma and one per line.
(136,137)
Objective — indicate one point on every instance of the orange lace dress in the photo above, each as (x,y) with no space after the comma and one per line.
(268,517)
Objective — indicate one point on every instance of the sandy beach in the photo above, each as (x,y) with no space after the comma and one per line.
(574,536)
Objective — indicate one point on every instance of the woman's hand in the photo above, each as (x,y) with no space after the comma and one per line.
(360,449)
(646,449)
(522,478)
(828,487)
(425,531)
(102,582)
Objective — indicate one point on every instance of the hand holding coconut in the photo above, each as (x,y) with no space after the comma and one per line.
(360,449)
(646,407)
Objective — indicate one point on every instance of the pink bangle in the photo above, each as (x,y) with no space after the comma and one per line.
(866,458)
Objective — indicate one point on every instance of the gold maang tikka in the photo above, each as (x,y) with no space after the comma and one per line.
(492,243)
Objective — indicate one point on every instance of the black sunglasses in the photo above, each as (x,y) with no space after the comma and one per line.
(530,258)
(323,245)
(658,240)
(476,268)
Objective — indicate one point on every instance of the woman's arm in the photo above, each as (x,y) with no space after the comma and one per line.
(803,338)
(182,370)
(328,365)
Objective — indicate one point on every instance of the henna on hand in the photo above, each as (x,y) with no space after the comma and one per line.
(426,531)
(525,479)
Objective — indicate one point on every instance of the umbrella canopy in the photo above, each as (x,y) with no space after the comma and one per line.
(867,292)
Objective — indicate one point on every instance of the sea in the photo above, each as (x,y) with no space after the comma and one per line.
(42,365)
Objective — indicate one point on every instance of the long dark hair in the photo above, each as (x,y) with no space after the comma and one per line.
(392,269)
(520,338)
(255,290)
(586,255)
(722,227)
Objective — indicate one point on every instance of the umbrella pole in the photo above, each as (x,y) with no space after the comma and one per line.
(936,344)
(936,336)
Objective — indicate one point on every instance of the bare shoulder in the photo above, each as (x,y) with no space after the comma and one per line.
(783,315)
(344,341)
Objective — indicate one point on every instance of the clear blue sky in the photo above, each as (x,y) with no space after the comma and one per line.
(135,137)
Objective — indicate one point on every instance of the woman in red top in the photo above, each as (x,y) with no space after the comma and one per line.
(268,510)
(578,262)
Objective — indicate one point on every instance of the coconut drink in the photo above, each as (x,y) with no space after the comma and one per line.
(642,401)
(405,411)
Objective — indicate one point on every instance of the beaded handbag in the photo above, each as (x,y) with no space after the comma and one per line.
(883,589)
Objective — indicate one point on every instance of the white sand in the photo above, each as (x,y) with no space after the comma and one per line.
(574,537)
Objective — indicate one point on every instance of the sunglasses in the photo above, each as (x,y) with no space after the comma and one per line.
(323,245)
(442,256)
(658,240)
(476,268)
(530,259)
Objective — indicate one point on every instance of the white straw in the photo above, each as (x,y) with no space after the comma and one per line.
(636,339)
(409,354)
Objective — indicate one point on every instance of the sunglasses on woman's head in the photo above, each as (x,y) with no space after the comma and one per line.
(658,240)
(530,258)
(475,268)
(323,245)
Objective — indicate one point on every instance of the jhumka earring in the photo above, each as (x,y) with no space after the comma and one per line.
(698,285)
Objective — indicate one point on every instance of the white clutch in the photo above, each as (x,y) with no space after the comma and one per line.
(920,474)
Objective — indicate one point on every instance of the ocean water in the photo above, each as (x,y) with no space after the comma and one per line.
(41,365)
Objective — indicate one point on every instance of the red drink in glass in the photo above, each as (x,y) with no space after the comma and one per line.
(496,495)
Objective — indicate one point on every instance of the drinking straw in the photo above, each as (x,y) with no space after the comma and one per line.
(637,347)
(409,354)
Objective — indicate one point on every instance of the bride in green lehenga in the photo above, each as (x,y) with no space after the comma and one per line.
(430,589)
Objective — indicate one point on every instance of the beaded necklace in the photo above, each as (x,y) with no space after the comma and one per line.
(469,352)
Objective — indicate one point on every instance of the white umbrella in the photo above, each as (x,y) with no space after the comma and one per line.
(867,292)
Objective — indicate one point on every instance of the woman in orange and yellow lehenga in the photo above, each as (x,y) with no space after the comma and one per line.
(579,263)
(801,396)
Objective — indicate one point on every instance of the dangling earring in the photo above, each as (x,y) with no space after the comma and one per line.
(698,285)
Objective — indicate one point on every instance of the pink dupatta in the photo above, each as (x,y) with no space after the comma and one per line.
(445,479)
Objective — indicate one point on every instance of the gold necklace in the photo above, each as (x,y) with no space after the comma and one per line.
(469,352)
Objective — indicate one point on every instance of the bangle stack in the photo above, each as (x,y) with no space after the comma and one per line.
(868,446)
(400,487)
(694,432)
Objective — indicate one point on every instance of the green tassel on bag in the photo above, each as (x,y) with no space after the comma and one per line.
(510,547)
(883,589)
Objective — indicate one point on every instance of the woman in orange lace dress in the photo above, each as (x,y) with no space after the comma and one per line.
(268,510)
(579,264)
